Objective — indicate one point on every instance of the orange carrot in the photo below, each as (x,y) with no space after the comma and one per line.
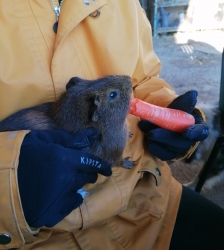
(171,119)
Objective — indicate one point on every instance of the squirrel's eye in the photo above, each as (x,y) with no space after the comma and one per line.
(113,95)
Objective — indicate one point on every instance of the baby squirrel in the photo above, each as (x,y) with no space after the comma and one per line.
(102,103)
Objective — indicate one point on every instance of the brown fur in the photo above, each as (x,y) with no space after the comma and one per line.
(85,104)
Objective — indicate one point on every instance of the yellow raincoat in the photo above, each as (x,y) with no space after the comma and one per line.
(133,209)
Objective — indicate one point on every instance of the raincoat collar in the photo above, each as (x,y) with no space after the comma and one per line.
(72,13)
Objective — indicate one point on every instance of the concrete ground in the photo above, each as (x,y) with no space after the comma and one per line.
(193,61)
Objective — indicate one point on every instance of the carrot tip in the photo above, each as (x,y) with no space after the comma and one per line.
(171,119)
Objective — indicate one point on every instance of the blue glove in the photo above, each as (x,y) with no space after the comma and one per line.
(166,144)
(51,170)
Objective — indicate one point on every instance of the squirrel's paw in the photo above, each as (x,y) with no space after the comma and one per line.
(130,135)
(127,163)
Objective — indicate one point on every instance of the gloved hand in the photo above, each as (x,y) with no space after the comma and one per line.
(166,144)
(52,169)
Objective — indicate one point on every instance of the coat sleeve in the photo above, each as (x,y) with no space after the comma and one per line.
(12,221)
(148,86)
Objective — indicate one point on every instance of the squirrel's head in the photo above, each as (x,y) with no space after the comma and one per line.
(106,98)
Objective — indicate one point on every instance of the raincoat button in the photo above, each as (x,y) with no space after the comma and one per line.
(86,2)
(5,239)
(158,172)
(95,14)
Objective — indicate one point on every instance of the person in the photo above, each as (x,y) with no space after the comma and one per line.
(43,45)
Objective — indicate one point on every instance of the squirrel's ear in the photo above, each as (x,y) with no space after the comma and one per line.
(73,82)
(96,102)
